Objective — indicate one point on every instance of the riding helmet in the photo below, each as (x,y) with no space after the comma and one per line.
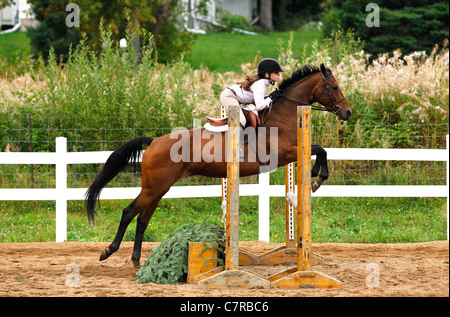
(268,65)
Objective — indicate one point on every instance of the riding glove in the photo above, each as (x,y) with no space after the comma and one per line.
(274,95)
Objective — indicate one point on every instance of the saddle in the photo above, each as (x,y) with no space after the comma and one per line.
(221,125)
(252,120)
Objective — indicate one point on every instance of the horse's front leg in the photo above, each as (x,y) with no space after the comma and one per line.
(320,167)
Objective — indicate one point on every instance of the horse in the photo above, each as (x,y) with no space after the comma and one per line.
(159,171)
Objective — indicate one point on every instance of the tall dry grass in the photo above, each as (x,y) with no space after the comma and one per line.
(423,80)
(416,82)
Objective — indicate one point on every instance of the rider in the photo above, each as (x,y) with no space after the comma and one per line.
(251,92)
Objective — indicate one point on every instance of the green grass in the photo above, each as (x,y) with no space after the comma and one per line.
(224,52)
(13,45)
(221,52)
(348,220)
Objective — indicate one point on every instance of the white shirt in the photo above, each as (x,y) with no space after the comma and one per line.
(256,95)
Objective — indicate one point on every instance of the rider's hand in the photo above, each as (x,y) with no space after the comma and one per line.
(274,95)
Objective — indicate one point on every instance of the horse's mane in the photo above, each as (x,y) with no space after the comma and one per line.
(298,75)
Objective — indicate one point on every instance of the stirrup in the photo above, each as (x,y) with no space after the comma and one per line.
(241,155)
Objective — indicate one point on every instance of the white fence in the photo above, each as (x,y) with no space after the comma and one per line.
(61,194)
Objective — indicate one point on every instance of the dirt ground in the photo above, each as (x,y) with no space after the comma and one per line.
(39,269)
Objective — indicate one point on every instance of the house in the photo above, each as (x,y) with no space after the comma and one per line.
(17,16)
(197,23)
(246,8)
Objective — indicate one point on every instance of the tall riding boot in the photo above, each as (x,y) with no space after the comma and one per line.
(242,144)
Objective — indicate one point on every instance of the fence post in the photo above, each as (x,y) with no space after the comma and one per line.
(232,219)
(447,167)
(264,206)
(61,189)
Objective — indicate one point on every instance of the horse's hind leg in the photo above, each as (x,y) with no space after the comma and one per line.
(153,189)
(145,206)
(320,167)
(128,214)
(141,225)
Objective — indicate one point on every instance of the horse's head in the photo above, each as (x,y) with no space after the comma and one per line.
(329,94)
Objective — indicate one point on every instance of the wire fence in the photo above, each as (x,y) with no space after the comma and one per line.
(37,134)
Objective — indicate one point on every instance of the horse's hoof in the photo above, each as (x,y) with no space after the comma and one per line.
(103,255)
(314,185)
(136,263)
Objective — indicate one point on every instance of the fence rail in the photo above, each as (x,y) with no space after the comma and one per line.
(61,194)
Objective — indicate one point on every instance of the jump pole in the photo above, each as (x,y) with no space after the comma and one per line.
(232,276)
(232,216)
(303,276)
(290,210)
(223,114)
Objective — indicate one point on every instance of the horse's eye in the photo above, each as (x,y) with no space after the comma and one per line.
(335,88)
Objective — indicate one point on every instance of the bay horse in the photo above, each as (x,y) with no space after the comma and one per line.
(159,171)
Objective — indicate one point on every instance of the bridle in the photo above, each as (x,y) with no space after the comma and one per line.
(334,108)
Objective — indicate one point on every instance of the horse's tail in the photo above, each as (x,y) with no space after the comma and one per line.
(129,152)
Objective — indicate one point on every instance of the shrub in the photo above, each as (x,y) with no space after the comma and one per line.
(167,264)
(229,22)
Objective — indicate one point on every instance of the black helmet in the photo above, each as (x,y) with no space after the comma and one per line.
(268,65)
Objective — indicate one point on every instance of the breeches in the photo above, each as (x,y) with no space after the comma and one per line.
(227,99)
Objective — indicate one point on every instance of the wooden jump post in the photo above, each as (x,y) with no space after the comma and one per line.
(286,254)
(231,275)
(300,276)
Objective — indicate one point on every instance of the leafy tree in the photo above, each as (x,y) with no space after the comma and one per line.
(411,25)
(5,3)
(160,17)
(265,13)
(292,14)
(52,31)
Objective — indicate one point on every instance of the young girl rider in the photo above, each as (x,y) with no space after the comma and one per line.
(252,91)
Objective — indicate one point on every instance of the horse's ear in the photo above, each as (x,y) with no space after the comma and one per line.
(323,69)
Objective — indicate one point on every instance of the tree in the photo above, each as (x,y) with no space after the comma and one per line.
(292,14)
(265,15)
(160,17)
(411,25)
(5,3)
(52,31)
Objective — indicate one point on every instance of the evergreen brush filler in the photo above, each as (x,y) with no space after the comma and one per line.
(168,263)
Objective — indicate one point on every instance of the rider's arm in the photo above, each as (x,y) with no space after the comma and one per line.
(259,89)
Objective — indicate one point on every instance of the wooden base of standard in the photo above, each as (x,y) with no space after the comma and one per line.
(303,279)
(235,279)
(280,255)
